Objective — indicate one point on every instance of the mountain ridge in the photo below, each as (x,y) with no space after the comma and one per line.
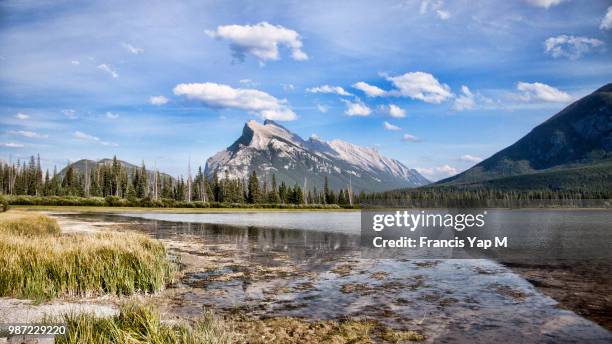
(271,148)
(580,134)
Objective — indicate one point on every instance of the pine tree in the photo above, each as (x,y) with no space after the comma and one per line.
(253,189)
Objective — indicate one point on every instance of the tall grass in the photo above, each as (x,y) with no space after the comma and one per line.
(36,262)
(28,224)
(138,323)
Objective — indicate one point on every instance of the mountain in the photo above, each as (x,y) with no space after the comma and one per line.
(271,148)
(570,142)
(81,165)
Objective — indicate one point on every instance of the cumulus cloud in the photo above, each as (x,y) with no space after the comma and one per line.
(158,100)
(261,40)
(28,134)
(328,89)
(112,115)
(437,173)
(322,108)
(543,92)
(13,145)
(422,86)
(356,108)
(410,138)
(396,111)
(75,62)
(369,90)
(470,158)
(22,116)
(391,127)
(86,137)
(606,22)
(544,3)
(466,101)
(132,49)
(572,47)
(224,96)
(108,69)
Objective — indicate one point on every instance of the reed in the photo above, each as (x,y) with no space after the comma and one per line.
(36,262)
(139,323)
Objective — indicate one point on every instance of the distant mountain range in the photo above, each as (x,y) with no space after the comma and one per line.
(571,150)
(81,165)
(270,148)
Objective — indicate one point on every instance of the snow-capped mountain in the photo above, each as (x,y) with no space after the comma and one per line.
(270,148)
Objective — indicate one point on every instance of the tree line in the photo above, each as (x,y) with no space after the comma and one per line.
(115,179)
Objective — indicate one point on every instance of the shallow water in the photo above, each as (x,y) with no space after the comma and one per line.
(449,300)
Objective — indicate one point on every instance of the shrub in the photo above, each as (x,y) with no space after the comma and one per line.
(4,205)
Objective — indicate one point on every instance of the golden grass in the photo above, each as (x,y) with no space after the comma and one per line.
(37,262)
(139,323)
(27,224)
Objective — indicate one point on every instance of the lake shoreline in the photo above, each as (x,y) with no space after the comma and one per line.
(211,270)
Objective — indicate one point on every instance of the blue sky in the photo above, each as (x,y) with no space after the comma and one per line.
(437,85)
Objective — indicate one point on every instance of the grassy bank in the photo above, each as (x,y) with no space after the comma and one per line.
(38,262)
(112,201)
(138,323)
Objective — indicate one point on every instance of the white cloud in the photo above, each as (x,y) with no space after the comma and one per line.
(572,47)
(314,136)
(13,145)
(434,6)
(86,137)
(224,96)
(106,68)
(261,40)
(391,127)
(422,86)
(540,91)
(22,116)
(158,100)
(466,101)
(328,89)
(606,21)
(75,62)
(132,49)
(28,134)
(544,3)
(288,87)
(437,173)
(396,111)
(112,115)
(356,108)
(410,138)
(442,14)
(322,108)
(470,158)
(70,113)
(369,90)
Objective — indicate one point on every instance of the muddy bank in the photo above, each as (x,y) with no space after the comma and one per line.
(584,287)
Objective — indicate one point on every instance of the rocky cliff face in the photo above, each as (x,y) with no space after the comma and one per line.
(270,148)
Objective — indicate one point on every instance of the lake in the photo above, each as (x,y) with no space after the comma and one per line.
(309,264)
